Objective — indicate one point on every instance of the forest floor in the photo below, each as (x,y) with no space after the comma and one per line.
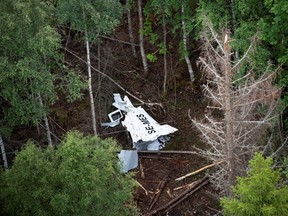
(156,172)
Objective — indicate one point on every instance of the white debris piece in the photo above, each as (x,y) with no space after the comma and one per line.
(143,128)
(124,105)
(128,160)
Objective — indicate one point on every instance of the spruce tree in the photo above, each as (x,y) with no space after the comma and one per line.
(79,177)
(261,192)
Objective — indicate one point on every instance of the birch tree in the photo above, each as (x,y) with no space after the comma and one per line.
(141,37)
(91,18)
(157,13)
(3,152)
(29,63)
(184,39)
(247,102)
(130,30)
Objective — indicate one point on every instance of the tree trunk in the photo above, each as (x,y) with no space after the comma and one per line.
(5,162)
(90,86)
(165,53)
(131,36)
(186,56)
(48,131)
(229,116)
(141,38)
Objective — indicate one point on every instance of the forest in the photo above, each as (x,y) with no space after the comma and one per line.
(215,70)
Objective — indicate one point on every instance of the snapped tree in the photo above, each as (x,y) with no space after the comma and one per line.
(244,19)
(79,177)
(247,104)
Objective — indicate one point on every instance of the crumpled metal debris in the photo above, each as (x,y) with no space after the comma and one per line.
(128,160)
(146,133)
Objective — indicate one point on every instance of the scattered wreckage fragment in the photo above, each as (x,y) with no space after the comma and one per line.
(146,133)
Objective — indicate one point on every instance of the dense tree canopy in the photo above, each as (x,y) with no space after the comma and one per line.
(79,177)
(29,46)
(95,17)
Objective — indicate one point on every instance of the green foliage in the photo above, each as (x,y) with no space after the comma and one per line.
(151,57)
(29,58)
(97,17)
(217,11)
(73,84)
(156,13)
(285,169)
(169,11)
(259,193)
(24,51)
(79,177)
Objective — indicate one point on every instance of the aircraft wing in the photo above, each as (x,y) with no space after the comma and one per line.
(143,127)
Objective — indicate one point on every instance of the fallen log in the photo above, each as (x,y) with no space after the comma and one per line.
(155,157)
(181,197)
(199,170)
(168,152)
(156,195)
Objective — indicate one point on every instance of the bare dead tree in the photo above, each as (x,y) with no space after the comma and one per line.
(248,105)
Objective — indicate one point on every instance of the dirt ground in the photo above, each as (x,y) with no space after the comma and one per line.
(156,173)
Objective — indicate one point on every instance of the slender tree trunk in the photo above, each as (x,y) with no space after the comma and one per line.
(90,85)
(131,36)
(99,56)
(229,116)
(165,53)
(99,83)
(141,38)
(188,62)
(47,128)
(5,162)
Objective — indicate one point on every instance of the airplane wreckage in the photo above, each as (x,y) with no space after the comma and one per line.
(146,133)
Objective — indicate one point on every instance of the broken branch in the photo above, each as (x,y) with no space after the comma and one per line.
(199,184)
(199,170)
(156,194)
(146,192)
(116,83)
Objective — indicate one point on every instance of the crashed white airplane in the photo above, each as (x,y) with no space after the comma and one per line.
(146,133)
